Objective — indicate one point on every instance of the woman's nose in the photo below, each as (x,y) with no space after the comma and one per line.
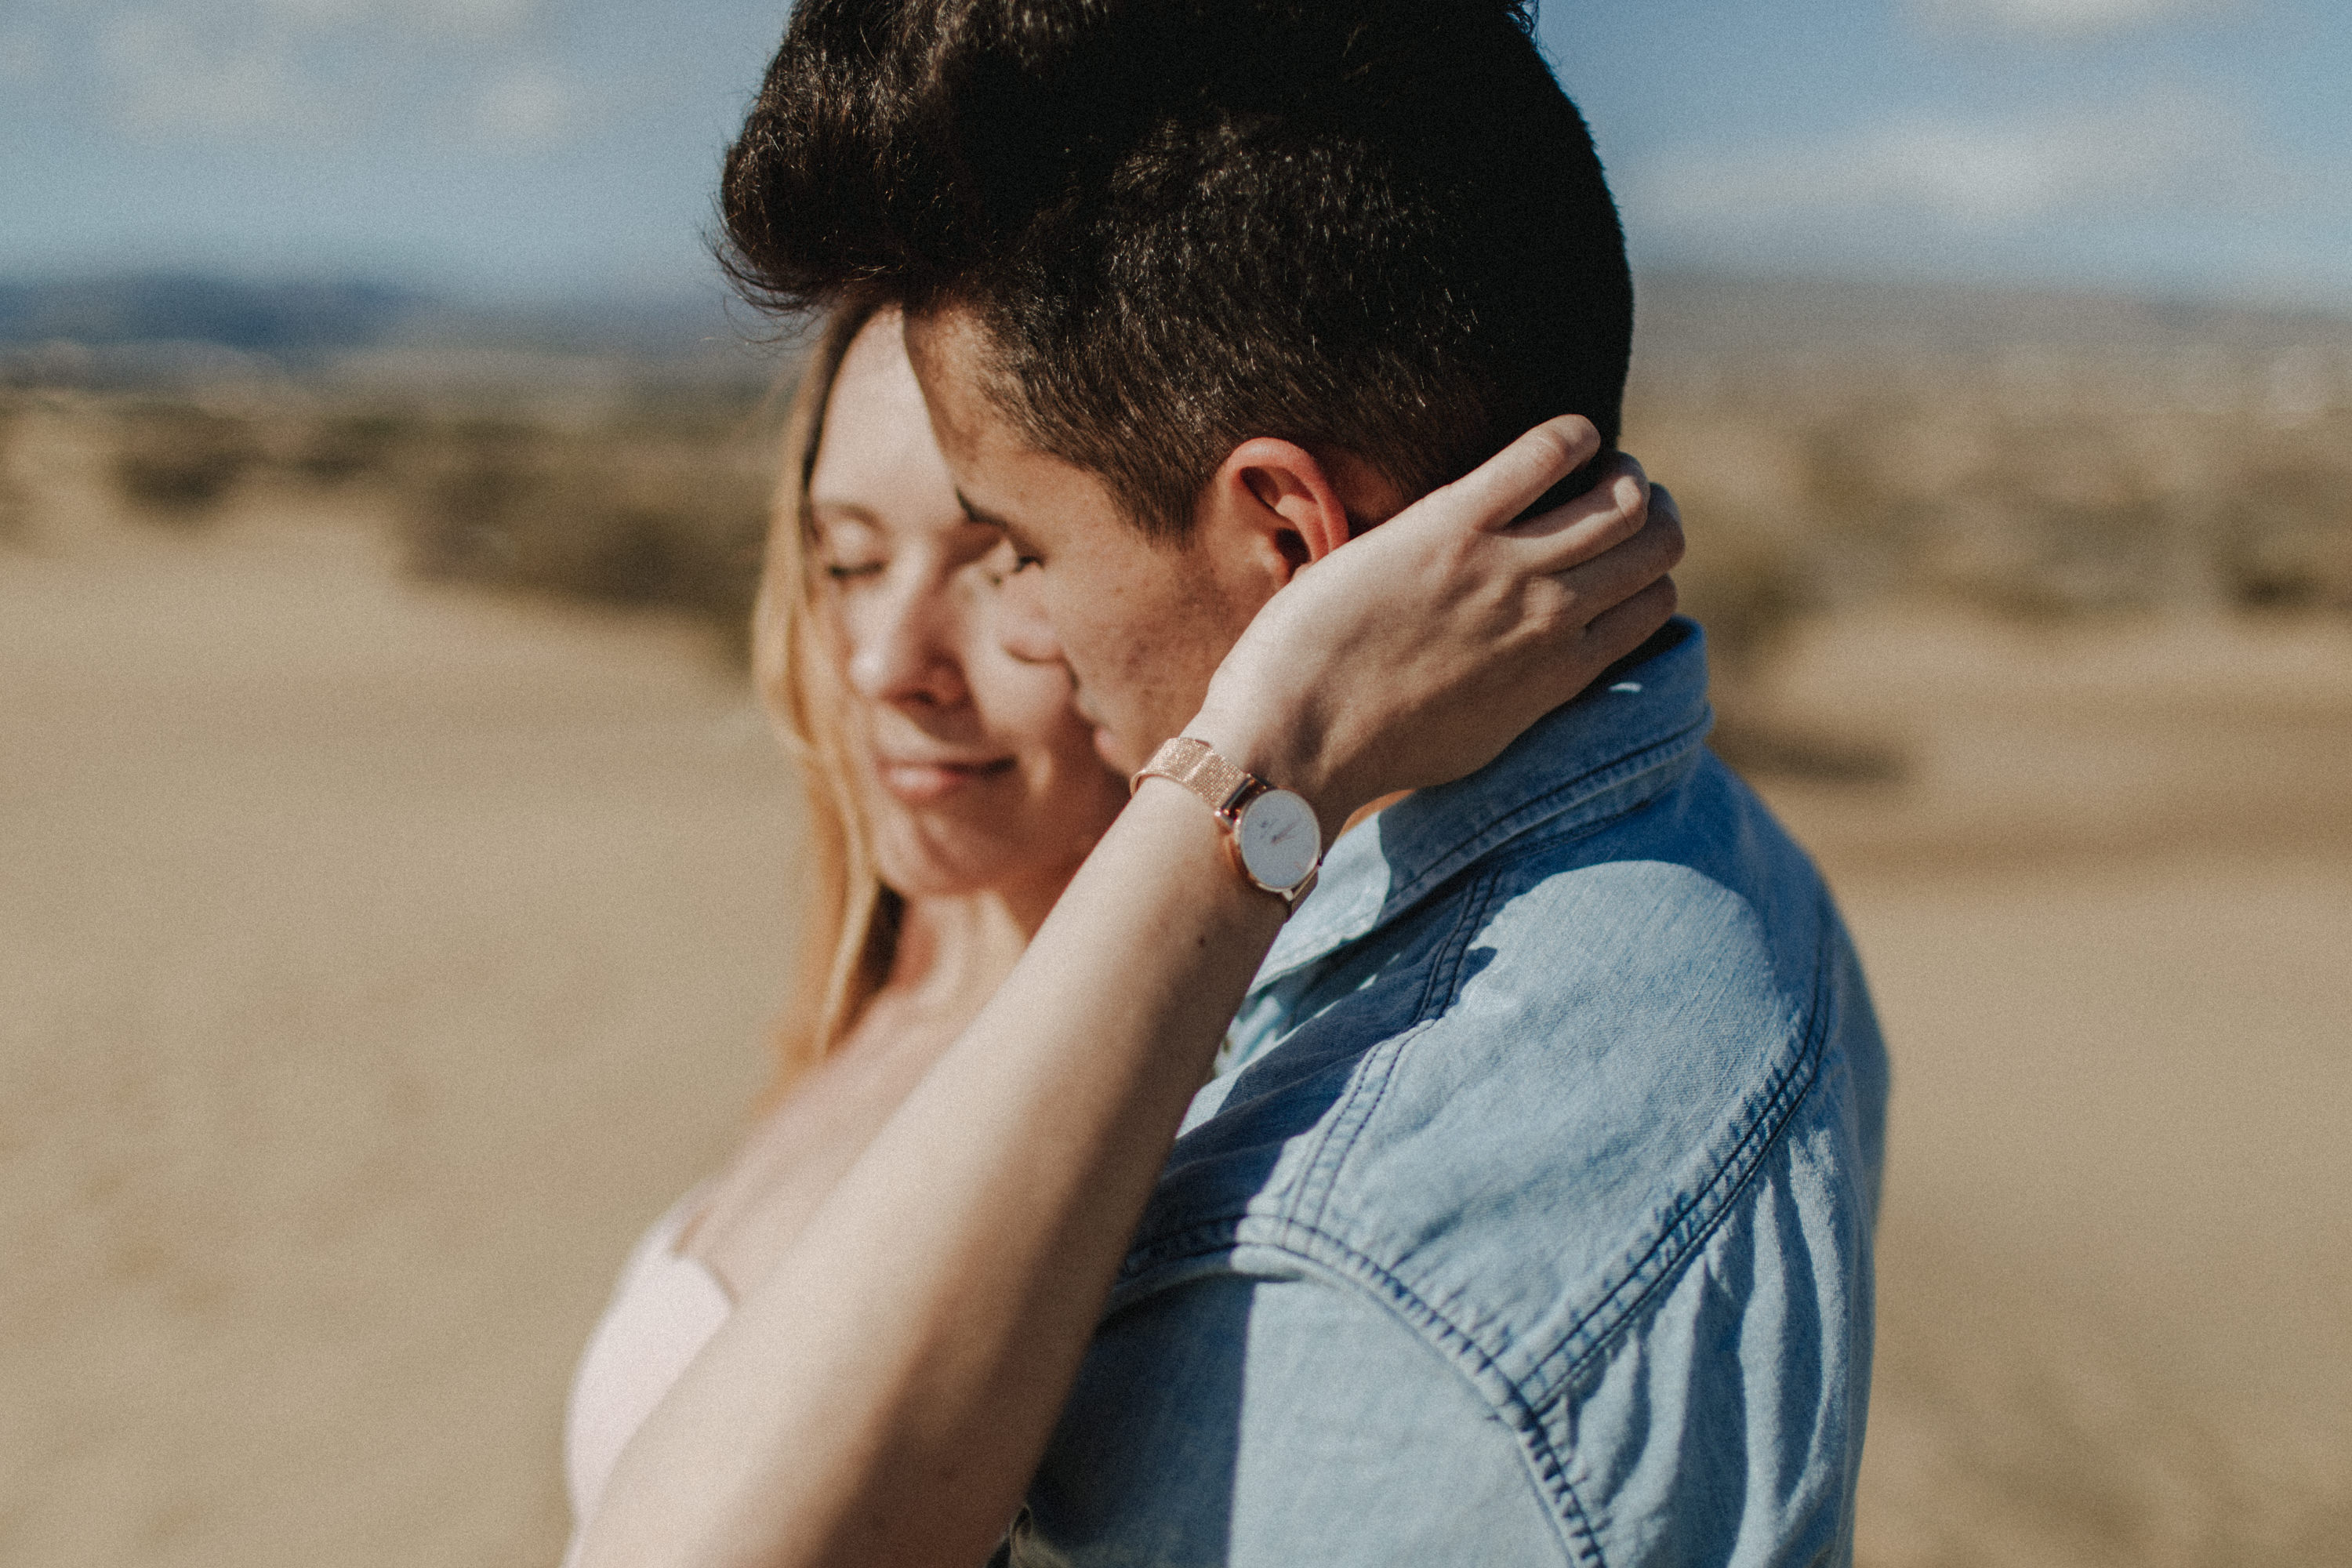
(903,650)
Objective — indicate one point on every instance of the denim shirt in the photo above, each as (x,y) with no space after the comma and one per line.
(1531,1220)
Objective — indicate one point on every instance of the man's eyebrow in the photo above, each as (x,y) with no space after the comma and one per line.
(986,519)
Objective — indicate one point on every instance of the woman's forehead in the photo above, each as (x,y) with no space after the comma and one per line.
(876,462)
(874,385)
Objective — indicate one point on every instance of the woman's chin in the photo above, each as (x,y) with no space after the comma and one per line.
(942,864)
(956,843)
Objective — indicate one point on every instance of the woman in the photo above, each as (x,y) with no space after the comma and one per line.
(1012,979)
(950,791)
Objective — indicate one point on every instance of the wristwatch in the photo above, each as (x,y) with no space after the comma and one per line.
(1274,839)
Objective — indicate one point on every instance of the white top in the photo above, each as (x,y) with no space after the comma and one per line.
(663,1311)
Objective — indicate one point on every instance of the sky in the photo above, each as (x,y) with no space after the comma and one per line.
(545,150)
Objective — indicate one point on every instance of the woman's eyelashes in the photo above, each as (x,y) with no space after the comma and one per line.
(851,555)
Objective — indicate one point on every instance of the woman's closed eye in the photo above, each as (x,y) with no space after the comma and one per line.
(850,543)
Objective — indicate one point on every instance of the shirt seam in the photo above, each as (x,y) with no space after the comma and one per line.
(1547,805)
(1527,1402)
(1368,1084)
(1772,1119)
(1332,1258)
(1533,814)
(1371,1081)
(1698,1214)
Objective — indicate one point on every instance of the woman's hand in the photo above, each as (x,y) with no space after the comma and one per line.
(1413,654)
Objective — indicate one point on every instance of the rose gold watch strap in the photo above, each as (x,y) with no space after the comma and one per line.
(1194,764)
(1226,789)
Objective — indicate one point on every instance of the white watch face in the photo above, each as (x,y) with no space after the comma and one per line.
(1279,839)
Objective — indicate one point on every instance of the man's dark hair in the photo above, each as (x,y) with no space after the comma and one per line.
(1376,226)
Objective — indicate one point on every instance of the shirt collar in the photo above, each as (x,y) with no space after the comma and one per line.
(1614,745)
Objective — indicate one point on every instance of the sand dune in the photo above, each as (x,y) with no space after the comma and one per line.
(375,961)
(2109,920)
(372,966)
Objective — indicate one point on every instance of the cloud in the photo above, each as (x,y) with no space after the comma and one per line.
(280,70)
(2058,19)
(170,78)
(21,55)
(2166,151)
(420,18)
(528,109)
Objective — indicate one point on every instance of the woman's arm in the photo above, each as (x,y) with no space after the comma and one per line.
(885,1395)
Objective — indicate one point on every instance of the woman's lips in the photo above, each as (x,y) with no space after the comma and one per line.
(922,783)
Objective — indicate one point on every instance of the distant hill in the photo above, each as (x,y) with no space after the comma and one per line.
(176,320)
(276,318)
(144,328)
(1684,313)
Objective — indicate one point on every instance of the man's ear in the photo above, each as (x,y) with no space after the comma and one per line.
(1279,496)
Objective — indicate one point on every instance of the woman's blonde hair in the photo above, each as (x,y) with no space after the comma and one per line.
(849,920)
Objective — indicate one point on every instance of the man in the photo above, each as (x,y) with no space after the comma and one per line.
(1531,1221)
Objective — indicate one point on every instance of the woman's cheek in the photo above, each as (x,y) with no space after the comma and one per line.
(1022,702)
(836,630)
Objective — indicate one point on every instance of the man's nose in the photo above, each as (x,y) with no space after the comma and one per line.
(1023,627)
(904,651)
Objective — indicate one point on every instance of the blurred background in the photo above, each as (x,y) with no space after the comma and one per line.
(394,877)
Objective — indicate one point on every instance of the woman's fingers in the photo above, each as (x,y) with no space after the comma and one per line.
(1588,524)
(1476,625)
(1624,627)
(1642,549)
(1661,497)
(1490,496)
(1628,566)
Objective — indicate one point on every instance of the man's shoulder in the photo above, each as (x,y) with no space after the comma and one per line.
(1598,1122)
(1516,1111)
